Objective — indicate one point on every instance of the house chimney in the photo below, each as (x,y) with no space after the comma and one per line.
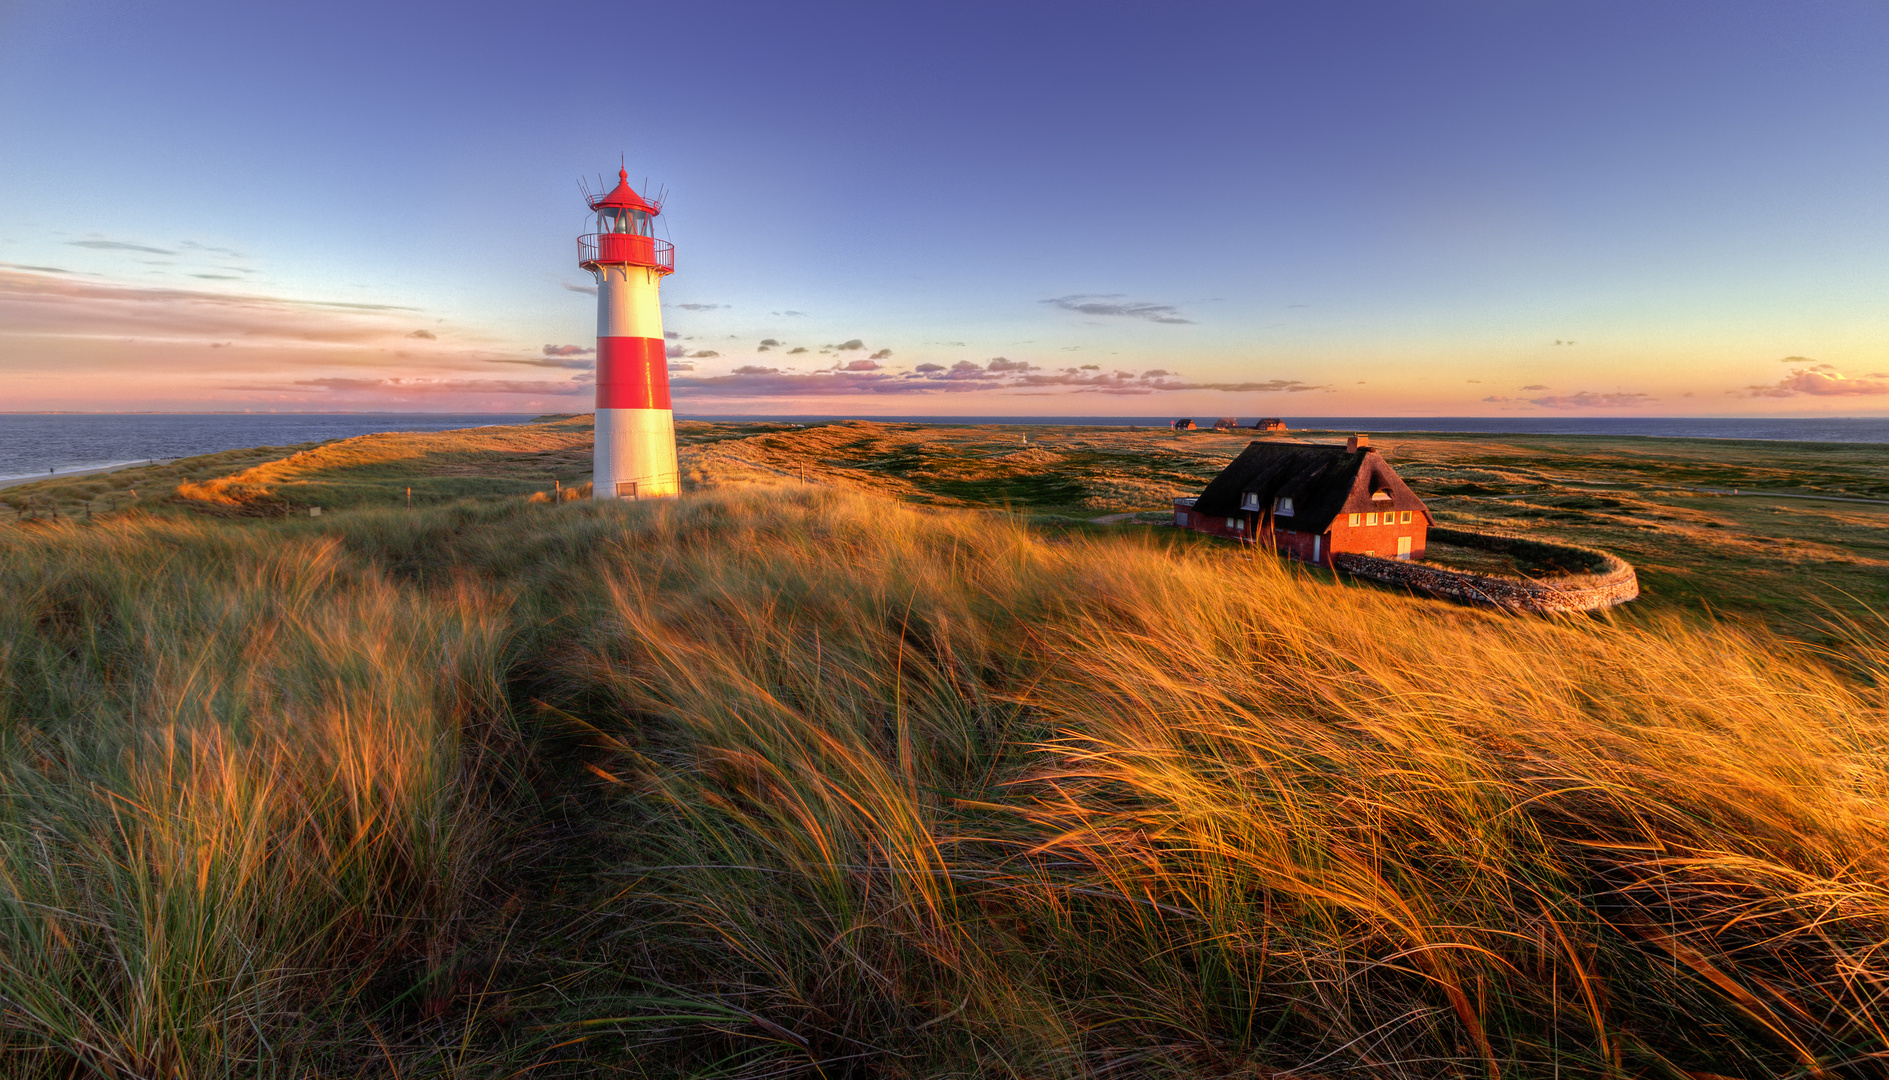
(1357,443)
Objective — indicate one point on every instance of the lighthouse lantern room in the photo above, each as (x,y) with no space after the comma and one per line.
(635,454)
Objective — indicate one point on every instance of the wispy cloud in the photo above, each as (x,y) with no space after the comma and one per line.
(428,387)
(568,350)
(860,377)
(1115,305)
(424,335)
(1588,400)
(701,307)
(192,245)
(562,362)
(588,290)
(69,305)
(120,245)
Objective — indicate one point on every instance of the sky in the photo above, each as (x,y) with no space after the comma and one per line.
(1020,208)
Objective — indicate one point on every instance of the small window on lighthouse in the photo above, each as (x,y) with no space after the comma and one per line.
(624,221)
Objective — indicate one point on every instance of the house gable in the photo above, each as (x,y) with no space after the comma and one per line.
(1375,476)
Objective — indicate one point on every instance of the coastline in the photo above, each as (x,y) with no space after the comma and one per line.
(93,470)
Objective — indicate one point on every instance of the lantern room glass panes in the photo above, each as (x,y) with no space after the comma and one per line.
(623,221)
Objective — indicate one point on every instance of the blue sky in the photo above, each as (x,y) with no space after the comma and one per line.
(1311,209)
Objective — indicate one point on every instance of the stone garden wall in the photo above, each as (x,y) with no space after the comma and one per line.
(1608,581)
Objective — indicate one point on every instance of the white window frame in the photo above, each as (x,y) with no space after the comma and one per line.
(1355,519)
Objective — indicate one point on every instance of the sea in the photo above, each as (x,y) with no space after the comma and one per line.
(31,444)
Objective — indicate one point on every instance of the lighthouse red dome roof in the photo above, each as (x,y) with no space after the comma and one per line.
(624,196)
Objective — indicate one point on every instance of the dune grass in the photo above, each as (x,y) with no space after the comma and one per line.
(796,781)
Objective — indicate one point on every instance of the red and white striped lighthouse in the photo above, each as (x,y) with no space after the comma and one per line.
(635,455)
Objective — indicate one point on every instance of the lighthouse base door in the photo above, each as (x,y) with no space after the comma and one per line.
(1403,548)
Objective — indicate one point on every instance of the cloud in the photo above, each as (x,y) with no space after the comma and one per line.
(853,344)
(217,277)
(428,335)
(882,354)
(564,350)
(793,314)
(1002,364)
(704,354)
(565,363)
(1497,400)
(415,386)
(1821,380)
(590,290)
(965,376)
(684,366)
(796,349)
(1090,367)
(194,246)
(768,342)
(1534,386)
(1588,400)
(120,245)
(700,307)
(1113,304)
(84,307)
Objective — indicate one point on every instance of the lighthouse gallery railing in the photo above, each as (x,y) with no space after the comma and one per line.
(626,248)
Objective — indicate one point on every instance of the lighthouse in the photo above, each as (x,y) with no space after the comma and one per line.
(635,454)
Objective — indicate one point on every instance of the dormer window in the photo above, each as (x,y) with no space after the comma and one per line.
(1380,495)
(1251,502)
(1282,506)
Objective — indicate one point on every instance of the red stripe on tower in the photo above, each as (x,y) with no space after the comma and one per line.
(632,373)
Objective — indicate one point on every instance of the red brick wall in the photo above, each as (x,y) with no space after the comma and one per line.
(1380,539)
(1297,545)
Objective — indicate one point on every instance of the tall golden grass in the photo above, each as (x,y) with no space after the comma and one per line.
(800,782)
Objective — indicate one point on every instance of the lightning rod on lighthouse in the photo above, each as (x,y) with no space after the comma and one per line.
(635,454)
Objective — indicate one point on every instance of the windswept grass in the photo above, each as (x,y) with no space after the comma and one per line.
(801,782)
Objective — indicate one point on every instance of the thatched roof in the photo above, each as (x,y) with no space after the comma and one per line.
(1320,481)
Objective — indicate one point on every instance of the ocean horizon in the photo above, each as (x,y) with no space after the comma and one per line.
(33,443)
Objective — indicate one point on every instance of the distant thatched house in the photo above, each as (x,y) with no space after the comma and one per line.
(1270,423)
(1182,425)
(1227,423)
(1312,502)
